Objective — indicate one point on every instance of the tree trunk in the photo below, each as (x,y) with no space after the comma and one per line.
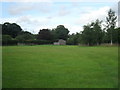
(97,43)
(111,42)
(88,44)
(111,36)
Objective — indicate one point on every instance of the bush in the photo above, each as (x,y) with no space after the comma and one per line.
(6,38)
(40,42)
(25,37)
(36,42)
(10,42)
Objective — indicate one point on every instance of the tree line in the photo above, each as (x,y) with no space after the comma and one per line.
(92,34)
(13,34)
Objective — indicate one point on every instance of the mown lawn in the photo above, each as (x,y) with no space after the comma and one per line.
(48,66)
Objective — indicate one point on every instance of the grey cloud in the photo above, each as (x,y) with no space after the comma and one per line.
(49,17)
(44,7)
(30,20)
(20,8)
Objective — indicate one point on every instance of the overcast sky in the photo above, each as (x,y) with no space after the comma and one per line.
(33,16)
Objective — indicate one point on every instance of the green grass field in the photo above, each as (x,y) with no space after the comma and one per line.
(48,66)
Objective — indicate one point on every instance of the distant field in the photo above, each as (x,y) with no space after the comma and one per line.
(60,67)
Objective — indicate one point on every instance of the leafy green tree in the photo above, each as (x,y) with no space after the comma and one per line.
(74,39)
(71,40)
(116,35)
(88,34)
(25,36)
(92,33)
(118,30)
(44,34)
(105,37)
(98,32)
(61,32)
(24,32)
(54,35)
(11,29)
(0,39)
(0,29)
(6,39)
(111,20)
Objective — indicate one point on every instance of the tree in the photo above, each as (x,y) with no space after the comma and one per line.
(116,35)
(24,32)
(88,35)
(105,37)
(11,29)
(61,32)
(98,33)
(25,36)
(111,20)
(54,35)
(92,33)
(74,39)
(0,34)
(6,38)
(44,34)
(71,40)
(0,29)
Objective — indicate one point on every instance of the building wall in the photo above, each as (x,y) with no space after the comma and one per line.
(60,42)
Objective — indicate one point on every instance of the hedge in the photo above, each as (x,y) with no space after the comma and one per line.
(33,42)
(9,42)
(37,42)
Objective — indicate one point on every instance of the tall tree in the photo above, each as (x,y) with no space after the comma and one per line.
(98,33)
(54,35)
(88,35)
(74,39)
(25,36)
(61,32)
(11,29)
(44,34)
(111,20)
(92,33)
(0,29)
(116,35)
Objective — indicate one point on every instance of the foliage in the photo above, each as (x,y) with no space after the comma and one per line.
(61,32)
(44,34)
(25,36)
(11,29)
(111,20)
(92,33)
(7,40)
(116,35)
(36,42)
(88,35)
(6,37)
(74,39)
(54,35)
